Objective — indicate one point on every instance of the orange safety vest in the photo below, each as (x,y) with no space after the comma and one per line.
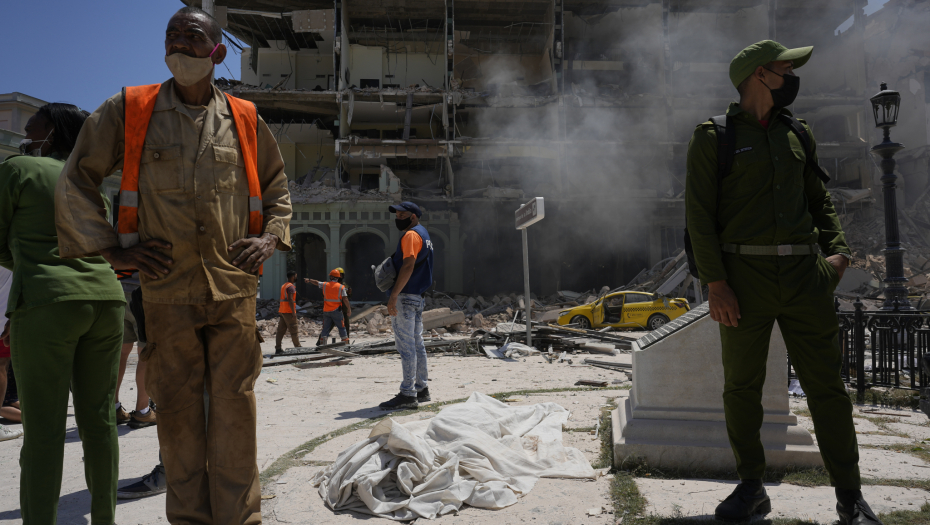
(285,307)
(139,104)
(332,296)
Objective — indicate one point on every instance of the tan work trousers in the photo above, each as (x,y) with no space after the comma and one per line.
(287,323)
(210,466)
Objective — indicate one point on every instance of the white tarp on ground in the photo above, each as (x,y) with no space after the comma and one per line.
(481,452)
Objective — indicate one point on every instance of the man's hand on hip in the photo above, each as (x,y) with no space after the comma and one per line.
(255,251)
(143,257)
(724,307)
(839,263)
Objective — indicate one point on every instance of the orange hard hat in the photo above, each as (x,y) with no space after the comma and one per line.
(335,273)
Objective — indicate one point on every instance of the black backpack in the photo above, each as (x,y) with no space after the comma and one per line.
(726,149)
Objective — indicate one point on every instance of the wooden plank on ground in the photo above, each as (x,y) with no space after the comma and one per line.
(278,361)
(364,313)
(591,382)
(338,362)
(333,351)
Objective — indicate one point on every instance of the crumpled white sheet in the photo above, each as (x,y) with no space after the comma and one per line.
(481,452)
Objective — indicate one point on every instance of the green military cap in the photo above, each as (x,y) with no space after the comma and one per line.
(760,54)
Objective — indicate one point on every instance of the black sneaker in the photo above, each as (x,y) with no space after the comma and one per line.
(278,350)
(423,396)
(747,500)
(150,485)
(853,510)
(400,402)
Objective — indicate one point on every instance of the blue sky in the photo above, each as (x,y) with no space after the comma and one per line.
(83,52)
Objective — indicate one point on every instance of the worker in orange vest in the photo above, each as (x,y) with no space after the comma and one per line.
(288,313)
(203,203)
(334,296)
(345,311)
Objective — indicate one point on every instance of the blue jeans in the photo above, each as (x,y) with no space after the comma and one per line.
(408,336)
(331,319)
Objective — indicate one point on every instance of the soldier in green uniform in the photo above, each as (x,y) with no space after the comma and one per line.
(758,251)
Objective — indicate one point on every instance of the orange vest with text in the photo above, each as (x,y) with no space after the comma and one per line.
(332,296)
(285,307)
(139,104)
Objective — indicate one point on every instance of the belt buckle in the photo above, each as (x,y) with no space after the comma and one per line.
(784,249)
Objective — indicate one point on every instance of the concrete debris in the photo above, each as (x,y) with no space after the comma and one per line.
(866,238)
(330,190)
(442,317)
(601,348)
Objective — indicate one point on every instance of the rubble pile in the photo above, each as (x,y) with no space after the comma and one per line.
(324,191)
(309,329)
(866,239)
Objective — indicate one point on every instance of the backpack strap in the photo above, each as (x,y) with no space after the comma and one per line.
(798,128)
(726,144)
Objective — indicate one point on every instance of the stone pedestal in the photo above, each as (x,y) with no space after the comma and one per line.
(673,417)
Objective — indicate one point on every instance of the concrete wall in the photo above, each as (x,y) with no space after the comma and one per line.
(303,147)
(16,109)
(275,64)
(414,68)
(365,62)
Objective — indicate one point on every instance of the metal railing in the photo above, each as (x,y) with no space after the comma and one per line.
(884,348)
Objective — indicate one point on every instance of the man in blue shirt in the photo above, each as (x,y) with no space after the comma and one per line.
(414,261)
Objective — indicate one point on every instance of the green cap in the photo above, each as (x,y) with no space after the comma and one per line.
(760,54)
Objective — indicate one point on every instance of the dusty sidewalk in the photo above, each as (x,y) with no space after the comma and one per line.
(296,406)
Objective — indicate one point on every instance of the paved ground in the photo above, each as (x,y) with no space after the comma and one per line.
(295,406)
(298,405)
(698,498)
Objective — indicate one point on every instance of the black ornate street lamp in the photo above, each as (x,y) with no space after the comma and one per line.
(885,106)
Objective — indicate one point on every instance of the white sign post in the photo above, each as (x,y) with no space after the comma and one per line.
(527,215)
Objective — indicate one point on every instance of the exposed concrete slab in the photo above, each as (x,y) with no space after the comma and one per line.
(680,423)
(441,317)
(885,464)
(699,498)
(881,439)
(915,431)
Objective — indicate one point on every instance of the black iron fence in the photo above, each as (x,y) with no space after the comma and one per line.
(884,348)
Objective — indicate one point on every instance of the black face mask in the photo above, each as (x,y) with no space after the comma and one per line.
(403,224)
(785,95)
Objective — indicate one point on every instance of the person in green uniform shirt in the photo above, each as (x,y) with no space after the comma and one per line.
(757,250)
(66,327)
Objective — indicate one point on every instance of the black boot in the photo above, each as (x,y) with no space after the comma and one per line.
(278,350)
(400,402)
(423,396)
(853,510)
(748,499)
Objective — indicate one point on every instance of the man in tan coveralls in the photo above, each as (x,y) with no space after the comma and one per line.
(198,268)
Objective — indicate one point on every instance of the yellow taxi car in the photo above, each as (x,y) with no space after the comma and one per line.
(631,310)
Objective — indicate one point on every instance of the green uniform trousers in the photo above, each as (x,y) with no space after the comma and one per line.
(72,344)
(796,291)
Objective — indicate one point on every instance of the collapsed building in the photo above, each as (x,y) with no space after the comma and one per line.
(471,108)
